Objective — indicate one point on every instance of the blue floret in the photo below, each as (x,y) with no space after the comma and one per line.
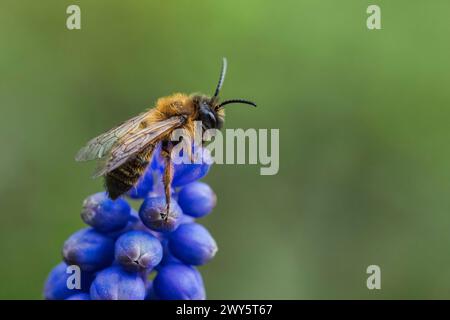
(114,283)
(150,214)
(104,214)
(197,199)
(192,244)
(179,282)
(138,251)
(89,249)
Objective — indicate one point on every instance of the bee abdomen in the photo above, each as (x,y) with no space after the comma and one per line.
(123,178)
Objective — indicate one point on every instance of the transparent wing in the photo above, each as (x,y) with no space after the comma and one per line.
(100,146)
(136,142)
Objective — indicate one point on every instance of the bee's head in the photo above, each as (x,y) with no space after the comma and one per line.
(210,110)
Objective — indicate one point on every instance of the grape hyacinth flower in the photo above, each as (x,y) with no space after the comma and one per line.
(138,251)
(114,283)
(121,248)
(193,244)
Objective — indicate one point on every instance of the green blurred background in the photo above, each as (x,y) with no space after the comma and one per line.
(364,129)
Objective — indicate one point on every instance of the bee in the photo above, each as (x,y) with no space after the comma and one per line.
(124,152)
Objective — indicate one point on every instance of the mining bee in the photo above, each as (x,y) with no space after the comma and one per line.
(124,152)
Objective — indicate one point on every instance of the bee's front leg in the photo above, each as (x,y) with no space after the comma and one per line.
(168,175)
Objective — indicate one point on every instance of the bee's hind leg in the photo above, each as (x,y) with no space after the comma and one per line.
(168,175)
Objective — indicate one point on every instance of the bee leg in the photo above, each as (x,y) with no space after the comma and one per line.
(168,176)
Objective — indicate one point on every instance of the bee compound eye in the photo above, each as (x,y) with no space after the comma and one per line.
(211,120)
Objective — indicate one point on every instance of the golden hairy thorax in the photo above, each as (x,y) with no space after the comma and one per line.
(174,105)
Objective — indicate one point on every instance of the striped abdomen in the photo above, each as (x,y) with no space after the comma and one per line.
(122,179)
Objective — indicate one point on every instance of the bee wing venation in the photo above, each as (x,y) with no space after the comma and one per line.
(100,146)
(135,143)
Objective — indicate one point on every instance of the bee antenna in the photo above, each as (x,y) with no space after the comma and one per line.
(221,78)
(224,103)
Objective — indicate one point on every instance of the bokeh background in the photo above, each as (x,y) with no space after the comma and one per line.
(364,129)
